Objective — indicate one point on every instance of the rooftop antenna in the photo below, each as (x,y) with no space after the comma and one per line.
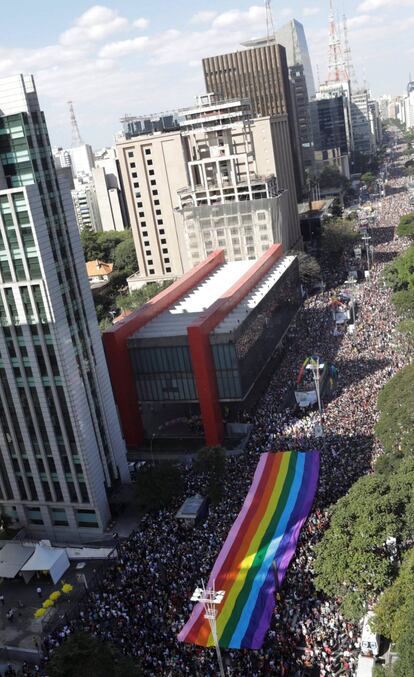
(270,26)
(76,137)
(347,53)
(336,66)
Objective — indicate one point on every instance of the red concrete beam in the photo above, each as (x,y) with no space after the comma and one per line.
(116,350)
(199,342)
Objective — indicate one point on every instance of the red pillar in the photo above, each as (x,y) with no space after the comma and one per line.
(199,342)
(115,340)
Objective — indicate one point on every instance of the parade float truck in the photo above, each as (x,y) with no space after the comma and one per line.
(314,375)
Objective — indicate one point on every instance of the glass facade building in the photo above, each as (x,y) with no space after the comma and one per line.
(163,367)
(61,447)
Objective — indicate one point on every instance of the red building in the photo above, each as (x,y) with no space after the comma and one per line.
(201,345)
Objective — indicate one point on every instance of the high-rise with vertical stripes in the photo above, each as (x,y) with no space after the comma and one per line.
(61,449)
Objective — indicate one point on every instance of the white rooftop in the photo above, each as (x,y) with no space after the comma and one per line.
(175,320)
(252,300)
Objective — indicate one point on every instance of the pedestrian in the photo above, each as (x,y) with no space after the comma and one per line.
(2,600)
(39,591)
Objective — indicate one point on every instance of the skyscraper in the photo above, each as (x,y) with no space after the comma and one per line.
(61,448)
(261,75)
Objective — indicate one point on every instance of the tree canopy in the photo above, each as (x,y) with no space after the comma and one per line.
(309,268)
(82,655)
(392,608)
(337,235)
(211,462)
(395,427)
(330,177)
(158,485)
(352,562)
(406,226)
(140,296)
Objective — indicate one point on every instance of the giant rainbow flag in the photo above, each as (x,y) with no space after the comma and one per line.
(258,548)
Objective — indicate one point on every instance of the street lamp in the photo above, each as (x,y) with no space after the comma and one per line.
(366,239)
(211,598)
(350,284)
(315,366)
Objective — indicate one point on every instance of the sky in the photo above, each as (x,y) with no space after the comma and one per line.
(144,56)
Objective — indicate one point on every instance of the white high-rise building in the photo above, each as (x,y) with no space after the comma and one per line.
(61,448)
(220,179)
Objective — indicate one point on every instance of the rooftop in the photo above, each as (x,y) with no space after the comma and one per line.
(176,320)
(252,300)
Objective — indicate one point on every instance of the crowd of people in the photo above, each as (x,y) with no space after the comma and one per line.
(144,601)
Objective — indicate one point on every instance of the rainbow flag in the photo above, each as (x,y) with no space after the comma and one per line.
(258,549)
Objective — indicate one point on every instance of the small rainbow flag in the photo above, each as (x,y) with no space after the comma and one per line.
(258,549)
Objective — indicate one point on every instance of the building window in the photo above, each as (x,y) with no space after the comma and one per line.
(148,252)
(151,271)
(168,270)
(130,153)
(156,203)
(163,241)
(165,250)
(153,182)
(150,162)
(158,212)
(35,516)
(59,518)
(86,518)
(143,224)
(160,222)
(150,262)
(132,165)
(136,184)
(139,204)
(134,175)
(148,151)
(161,231)
(166,260)
(155,191)
(151,172)
(144,233)
(146,243)
(141,215)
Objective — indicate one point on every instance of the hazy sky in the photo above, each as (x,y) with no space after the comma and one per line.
(144,56)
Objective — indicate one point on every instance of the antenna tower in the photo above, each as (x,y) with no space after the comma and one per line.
(337,71)
(270,26)
(76,137)
(349,65)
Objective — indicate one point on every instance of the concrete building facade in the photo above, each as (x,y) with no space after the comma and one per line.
(61,448)
(221,180)
(200,347)
(259,74)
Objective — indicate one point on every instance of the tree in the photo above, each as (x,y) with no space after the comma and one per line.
(399,274)
(102,245)
(309,268)
(337,235)
(211,462)
(406,327)
(352,562)
(330,177)
(140,296)
(158,485)
(125,257)
(404,302)
(405,644)
(395,427)
(406,226)
(368,179)
(83,655)
(392,608)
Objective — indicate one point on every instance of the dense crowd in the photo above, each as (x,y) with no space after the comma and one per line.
(144,601)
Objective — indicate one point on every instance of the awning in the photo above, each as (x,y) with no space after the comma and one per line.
(47,558)
(13,557)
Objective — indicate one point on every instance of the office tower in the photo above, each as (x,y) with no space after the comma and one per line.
(238,171)
(82,160)
(375,122)
(217,166)
(134,125)
(86,206)
(261,75)
(298,80)
(292,37)
(153,169)
(330,131)
(408,106)
(361,128)
(109,190)
(61,449)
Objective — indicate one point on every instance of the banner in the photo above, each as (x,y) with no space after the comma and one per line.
(258,549)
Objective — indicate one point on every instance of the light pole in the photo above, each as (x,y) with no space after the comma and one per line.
(366,239)
(211,598)
(315,366)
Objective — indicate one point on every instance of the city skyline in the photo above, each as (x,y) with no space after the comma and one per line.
(116,58)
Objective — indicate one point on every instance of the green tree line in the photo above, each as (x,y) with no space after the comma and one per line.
(354,562)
